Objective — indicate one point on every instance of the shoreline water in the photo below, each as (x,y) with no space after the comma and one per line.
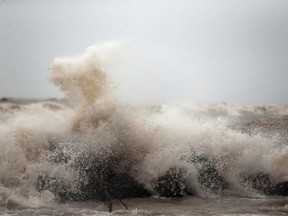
(166,206)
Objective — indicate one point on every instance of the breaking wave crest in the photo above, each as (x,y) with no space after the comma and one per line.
(99,148)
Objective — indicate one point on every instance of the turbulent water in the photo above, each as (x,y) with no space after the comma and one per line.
(79,155)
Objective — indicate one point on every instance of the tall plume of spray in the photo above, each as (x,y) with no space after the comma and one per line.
(83,79)
(85,82)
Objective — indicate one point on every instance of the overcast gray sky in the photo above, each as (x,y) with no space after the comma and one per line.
(233,51)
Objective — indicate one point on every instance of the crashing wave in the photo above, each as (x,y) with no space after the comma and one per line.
(102,149)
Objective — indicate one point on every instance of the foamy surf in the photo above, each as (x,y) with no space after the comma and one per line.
(95,147)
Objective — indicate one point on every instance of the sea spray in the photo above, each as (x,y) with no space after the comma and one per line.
(100,148)
(83,79)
